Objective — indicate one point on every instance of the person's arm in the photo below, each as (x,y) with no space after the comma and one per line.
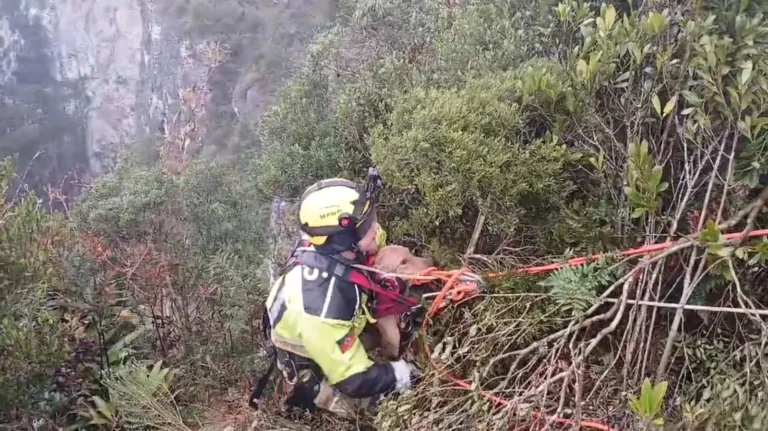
(335,347)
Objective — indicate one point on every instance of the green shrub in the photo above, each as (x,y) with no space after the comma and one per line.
(486,37)
(186,251)
(121,204)
(300,143)
(31,337)
(466,151)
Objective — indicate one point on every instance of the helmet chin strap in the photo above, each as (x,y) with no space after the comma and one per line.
(359,255)
(335,249)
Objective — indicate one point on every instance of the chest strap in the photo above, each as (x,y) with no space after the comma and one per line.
(340,269)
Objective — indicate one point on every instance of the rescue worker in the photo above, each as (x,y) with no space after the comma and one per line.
(319,306)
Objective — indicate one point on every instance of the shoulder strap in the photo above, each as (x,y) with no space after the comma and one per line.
(301,246)
(342,269)
(334,265)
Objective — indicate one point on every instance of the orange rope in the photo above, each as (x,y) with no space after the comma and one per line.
(646,249)
(452,277)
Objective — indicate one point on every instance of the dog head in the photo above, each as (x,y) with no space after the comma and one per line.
(399,260)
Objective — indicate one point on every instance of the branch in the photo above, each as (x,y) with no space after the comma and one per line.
(690,307)
(728,175)
(752,210)
(711,184)
(475,234)
(757,205)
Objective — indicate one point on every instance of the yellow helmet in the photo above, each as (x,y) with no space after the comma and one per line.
(335,213)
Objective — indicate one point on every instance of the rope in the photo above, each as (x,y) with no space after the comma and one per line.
(451,278)
(463,384)
(646,249)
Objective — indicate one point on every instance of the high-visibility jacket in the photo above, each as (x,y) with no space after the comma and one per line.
(317,310)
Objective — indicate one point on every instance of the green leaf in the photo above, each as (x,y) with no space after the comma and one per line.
(742,253)
(691,97)
(721,251)
(96,418)
(127,340)
(636,52)
(623,77)
(156,368)
(638,212)
(658,421)
(710,234)
(655,23)
(103,406)
(656,103)
(634,404)
(744,128)
(658,396)
(634,196)
(594,61)
(581,68)
(169,376)
(646,400)
(655,179)
(670,105)
(746,72)
(610,17)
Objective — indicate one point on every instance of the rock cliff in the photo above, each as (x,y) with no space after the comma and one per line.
(93,74)
(81,79)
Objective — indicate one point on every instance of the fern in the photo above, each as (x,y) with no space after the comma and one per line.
(574,288)
(143,397)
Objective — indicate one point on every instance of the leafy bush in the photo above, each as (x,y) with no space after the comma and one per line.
(721,393)
(489,37)
(300,143)
(153,265)
(467,151)
(31,336)
(120,205)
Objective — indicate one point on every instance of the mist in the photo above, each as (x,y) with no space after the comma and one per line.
(82,81)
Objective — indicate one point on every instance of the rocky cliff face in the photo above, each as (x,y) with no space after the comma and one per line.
(132,65)
(79,79)
(41,117)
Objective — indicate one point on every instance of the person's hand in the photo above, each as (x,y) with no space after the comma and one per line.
(403,371)
(368,244)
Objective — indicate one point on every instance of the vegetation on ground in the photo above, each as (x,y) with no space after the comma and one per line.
(553,129)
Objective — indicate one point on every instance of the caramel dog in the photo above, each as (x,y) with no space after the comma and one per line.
(397,260)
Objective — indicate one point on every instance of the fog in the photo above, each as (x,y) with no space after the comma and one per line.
(81,80)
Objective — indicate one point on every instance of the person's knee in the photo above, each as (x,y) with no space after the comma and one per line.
(330,399)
